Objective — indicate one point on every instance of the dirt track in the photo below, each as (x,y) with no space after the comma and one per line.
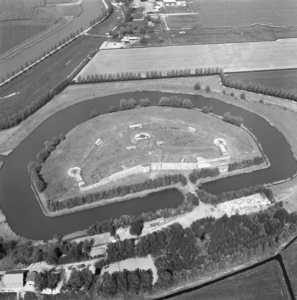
(234,57)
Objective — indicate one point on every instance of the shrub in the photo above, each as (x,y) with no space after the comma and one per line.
(112,109)
(144,102)
(197,86)
(207,89)
(242,96)
(232,119)
(261,101)
(232,94)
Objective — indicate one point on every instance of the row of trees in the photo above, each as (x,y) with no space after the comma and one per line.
(97,78)
(258,160)
(232,119)
(258,88)
(34,168)
(175,101)
(209,244)
(111,225)
(119,191)
(227,196)
(47,279)
(203,173)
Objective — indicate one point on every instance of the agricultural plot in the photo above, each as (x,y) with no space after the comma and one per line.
(120,150)
(286,79)
(214,13)
(180,22)
(13,35)
(265,282)
(18,10)
(36,82)
(234,57)
(290,260)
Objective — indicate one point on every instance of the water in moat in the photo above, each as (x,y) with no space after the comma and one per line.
(23,211)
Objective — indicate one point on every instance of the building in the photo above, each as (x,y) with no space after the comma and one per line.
(129,39)
(115,238)
(31,276)
(14,279)
(98,142)
(169,1)
(135,126)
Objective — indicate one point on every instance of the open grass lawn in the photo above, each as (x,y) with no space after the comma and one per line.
(12,35)
(286,79)
(263,283)
(18,10)
(236,57)
(290,260)
(182,21)
(46,75)
(214,13)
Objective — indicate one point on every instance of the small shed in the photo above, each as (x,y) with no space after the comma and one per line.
(14,279)
(135,126)
(31,276)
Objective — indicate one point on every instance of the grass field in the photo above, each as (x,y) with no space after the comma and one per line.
(214,13)
(265,282)
(182,21)
(112,156)
(18,10)
(286,79)
(234,57)
(290,260)
(60,1)
(46,75)
(13,35)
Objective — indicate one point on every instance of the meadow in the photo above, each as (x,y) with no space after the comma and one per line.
(12,35)
(214,13)
(286,79)
(234,57)
(182,21)
(18,10)
(264,282)
(290,260)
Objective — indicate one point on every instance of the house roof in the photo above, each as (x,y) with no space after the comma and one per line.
(13,280)
(31,276)
(154,224)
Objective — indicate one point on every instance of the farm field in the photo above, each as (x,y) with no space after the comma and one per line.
(286,79)
(265,282)
(234,57)
(18,10)
(46,75)
(13,35)
(112,155)
(290,260)
(181,21)
(214,13)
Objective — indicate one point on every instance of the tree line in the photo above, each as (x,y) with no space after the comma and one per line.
(118,191)
(123,76)
(257,88)
(231,195)
(203,173)
(34,167)
(175,101)
(246,163)
(111,225)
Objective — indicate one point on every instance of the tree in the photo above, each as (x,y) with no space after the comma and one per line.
(136,227)
(207,89)
(131,103)
(197,86)
(123,104)
(242,96)
(187,103)
(94,113)
(144,102)
(112,109)
(142,30)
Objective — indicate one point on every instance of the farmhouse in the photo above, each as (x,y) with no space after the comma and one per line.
(129,39)
(14,279)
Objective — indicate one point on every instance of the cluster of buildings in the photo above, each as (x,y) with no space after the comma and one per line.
(17,279)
